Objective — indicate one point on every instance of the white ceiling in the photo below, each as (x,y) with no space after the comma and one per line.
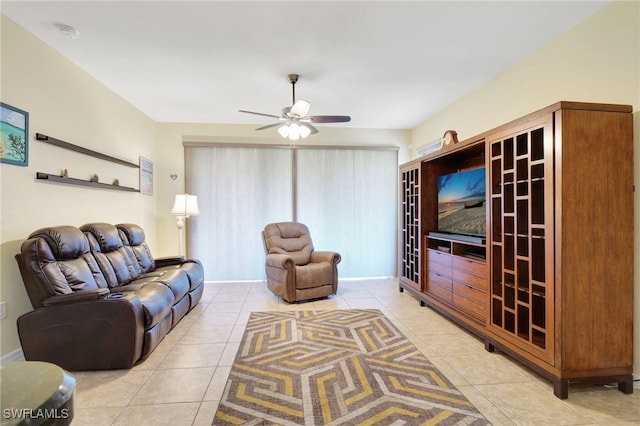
(388,64)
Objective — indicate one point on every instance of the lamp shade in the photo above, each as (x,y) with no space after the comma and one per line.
(185,205)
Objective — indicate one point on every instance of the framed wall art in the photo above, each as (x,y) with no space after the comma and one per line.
(14,135)
(146,176)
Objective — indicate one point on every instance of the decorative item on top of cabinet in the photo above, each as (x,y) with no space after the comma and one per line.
(450,137)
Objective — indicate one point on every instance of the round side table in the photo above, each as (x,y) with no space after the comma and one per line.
(36,393)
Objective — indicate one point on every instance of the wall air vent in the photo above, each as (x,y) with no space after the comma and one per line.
(428,148)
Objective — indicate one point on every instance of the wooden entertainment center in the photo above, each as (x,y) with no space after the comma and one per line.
(551,285)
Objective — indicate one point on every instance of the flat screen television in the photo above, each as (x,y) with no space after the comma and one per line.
(462,203)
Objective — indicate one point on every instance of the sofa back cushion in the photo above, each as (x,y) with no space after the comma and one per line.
(289,238)
(57,260)
(111,256)
(133,240)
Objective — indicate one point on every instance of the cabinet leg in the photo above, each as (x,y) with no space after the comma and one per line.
(626,385)
(561,388)
(401,289)
(489,347)
(422,303)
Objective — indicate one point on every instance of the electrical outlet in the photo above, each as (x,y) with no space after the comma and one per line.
(3,310)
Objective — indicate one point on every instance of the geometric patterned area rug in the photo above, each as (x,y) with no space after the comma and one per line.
(338,367)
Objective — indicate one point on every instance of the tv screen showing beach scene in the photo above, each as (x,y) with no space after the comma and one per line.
(462,203)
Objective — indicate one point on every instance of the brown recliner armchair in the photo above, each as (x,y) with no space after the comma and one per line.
(294,270)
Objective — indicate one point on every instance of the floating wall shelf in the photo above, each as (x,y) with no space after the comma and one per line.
(76,148)
(82,182)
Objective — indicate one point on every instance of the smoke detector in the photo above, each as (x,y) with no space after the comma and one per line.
(68,31)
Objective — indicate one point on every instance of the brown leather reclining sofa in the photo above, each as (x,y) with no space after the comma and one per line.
(101,301)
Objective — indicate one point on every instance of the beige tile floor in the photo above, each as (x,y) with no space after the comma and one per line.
(182,380)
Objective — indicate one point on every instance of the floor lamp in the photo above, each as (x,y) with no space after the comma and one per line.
(184,206)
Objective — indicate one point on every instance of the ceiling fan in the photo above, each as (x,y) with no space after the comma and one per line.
(294,122)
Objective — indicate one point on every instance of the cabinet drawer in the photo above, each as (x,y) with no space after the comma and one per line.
(470,305)
(473,280)
(435,256)
(470,266)
(439,286)
(439,269)
(470,293)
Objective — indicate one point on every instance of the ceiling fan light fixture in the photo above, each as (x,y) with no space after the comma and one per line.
(304,131)
(294,132)
(284,131)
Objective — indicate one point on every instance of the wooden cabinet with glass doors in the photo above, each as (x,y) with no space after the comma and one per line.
(560,243)
(555,291)
(409,215)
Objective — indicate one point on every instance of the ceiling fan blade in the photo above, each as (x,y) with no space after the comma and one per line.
(259,113)
(309,126)
(300,108)
(329,118)
(268,126)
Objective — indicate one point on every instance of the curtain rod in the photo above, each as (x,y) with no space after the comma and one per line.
(287,146)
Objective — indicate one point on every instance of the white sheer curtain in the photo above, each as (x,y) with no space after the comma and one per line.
(347,197)
(239,189)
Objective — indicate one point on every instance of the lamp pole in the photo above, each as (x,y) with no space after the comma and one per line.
(180,225)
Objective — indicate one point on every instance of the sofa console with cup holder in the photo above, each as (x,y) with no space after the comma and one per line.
(101,300)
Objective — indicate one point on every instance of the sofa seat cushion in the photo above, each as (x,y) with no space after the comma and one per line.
(193,270)
(314,275)
(156,299)
(177,281)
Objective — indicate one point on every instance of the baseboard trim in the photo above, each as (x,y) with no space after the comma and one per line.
(16,355)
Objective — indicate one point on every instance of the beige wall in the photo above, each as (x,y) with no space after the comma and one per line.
(597,61)
(64,102)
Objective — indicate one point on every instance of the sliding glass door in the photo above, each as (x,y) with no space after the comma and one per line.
(239,189)
(346,196)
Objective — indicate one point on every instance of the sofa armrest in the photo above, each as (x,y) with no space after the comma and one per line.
(326,256)
(281,261)
(174,260)
(77,296)
(169,260)
(100,334)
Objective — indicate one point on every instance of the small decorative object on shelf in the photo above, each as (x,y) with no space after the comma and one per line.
(64,173)
(450,137)
(116,182)
(94,178)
